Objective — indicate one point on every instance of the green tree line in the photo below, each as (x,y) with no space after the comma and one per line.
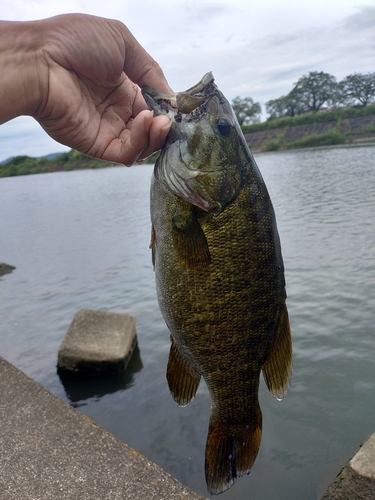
(71,160)
(351,97)
(309,94)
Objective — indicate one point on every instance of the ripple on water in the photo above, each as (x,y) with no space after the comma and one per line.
(80,239)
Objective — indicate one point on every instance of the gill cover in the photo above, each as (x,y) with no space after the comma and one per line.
(198,162)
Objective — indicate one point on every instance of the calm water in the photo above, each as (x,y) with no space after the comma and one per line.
(80,240)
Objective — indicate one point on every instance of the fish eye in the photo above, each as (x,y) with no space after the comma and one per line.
(224,127)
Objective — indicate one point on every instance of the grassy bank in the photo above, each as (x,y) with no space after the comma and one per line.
(307,118)
(72,160)
(308,130)
(330,138)
(344,126)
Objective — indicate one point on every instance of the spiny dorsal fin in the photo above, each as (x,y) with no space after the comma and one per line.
(183,378)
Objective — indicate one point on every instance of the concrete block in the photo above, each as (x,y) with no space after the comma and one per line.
(356,481)
(97,343)
(5,268)
(50,451)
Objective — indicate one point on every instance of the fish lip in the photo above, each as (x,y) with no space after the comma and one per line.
(201,85)
(151,97)
(176,102)
(167,106)
(178,105)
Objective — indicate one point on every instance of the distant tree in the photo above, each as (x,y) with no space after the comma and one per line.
(287,105)
(246,109)
(358,87)
(315,89)
(275,107)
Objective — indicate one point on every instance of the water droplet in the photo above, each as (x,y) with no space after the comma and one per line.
(230,457)
(281,396)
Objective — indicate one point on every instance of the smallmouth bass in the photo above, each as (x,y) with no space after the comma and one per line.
(219,274)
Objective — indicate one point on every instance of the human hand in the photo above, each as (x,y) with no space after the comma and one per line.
(85,91)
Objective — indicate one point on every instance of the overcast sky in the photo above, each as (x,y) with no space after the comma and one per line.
(256,49)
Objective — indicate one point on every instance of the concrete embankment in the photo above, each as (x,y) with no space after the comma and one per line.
(353,129)
(51,451)
(356,481)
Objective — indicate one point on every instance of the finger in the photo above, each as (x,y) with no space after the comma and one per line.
(128,147)
(158,135)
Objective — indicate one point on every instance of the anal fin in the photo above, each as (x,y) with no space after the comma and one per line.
(183,378)
(277,369)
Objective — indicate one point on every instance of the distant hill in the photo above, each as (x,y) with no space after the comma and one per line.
(51,156)
(7,160)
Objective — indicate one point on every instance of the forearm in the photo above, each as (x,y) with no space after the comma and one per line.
(20,67)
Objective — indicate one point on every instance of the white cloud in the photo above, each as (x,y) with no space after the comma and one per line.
(256,49)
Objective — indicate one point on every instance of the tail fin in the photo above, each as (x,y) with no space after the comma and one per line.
(230,453)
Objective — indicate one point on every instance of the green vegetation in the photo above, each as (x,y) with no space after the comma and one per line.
(329,138)
(72,160)
(350,98)
(310,94)
(153,157)
(246,109)
(316,117)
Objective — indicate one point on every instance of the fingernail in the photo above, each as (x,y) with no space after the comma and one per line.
(166,127)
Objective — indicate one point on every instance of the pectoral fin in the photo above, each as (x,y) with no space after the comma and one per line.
(277,369)
(190,240)
(152,246)
(183,378)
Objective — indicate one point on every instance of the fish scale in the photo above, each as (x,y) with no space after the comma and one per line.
(219,274)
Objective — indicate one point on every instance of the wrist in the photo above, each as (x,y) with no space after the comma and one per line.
(21,69)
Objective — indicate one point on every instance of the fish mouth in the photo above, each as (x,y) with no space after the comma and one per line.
(184,109)
(177,105)
(180,102)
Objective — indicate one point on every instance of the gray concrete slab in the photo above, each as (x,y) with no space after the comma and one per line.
(363,462)
(356,481)
(97,343)
(49,450)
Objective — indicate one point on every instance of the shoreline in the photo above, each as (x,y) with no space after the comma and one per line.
(312,148)
(50,450)
(254,151)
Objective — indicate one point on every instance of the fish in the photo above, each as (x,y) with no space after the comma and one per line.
(219,274)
